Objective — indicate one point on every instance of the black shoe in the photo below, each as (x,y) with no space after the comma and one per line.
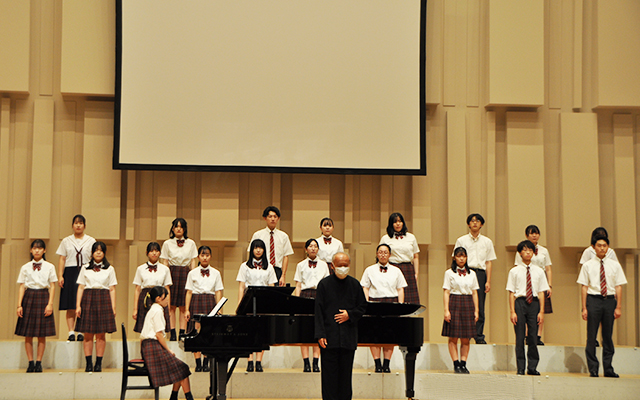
(31,367)
(593,374)
(198,368)
(71,338)
(521,372)
(540,343)
(463,367)
(38,367)
(316,368)
(481,341)
(250,366)
(532,372)
(258,366)
(205,365)
(386,370)
(456,367)
(80,337)
(378,365)
(307,368)
(173,338)
(89,367)
(97,368)
(606,374)
(597,344)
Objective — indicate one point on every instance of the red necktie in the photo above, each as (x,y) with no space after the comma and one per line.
(327,240)
(204,272)
(180,242)
(272,250)
(603,280)
(36,266)
(529,290)
(312,264)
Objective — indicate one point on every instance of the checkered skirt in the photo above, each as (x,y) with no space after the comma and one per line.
(462,324)
(164,368)
(97,313)
(142,312)
(308,293)
(179,278)
(33,322)
(548,308)
(384,299)
(200,304)
(411,291)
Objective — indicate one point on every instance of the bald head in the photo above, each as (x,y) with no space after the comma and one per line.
(341,262)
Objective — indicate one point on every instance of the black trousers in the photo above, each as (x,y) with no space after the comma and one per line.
(482,280)
(600,311)
(278,271)
(527,321)
(337,371)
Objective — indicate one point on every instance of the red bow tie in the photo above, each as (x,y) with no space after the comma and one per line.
(152,268)
(257,265)
(204,272)
(37,266)
(398,235)
(312,264)
(180,242)
(383,269)
(327,240)
(535,251)
(96,268)
(462,272)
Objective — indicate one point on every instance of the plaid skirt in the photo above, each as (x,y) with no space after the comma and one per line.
(179,278)
(384,299)
(142,312)
(548,308)
(200,304)
(70,288)
(308,293)
(411,291)
(462,323)
(164,368)
(33,322)
(97,313)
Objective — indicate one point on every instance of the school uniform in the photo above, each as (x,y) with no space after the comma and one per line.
(601,303)
(460,285)
(37,278)
(275,240)
(147,277)
(77,252)
(164,367)
(383,282)
(327,248)
(479,251)
(309,273)
(540,259)
(256,275)
(97,312)
(403,248)
(203,284)
(179,253)
(590,253)
(527,311)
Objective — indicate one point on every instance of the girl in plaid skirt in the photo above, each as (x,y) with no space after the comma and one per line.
(164,367)
(309,273)
(149,275)
(96,304)
(204,291)
(460,308)
(35,303)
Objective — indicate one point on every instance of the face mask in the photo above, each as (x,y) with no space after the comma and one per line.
(341,272)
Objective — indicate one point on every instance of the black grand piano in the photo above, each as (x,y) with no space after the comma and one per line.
(270,316)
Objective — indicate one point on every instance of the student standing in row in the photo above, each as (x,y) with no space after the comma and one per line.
(278,245)
(404,254)
(590,252)
(480,254)
(74,252)
(179,253)
(309,272)
(328,246)
(35,303)
(96,304)
(149,275)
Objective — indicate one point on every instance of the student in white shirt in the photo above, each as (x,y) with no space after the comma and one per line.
(590,252)
(149,275)
(37,280)
(309,272)
(328,246)
(278,246)
(404,254)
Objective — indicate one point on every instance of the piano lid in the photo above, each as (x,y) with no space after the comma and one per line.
(278,300)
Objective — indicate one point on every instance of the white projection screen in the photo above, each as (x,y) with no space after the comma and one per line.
(298,86)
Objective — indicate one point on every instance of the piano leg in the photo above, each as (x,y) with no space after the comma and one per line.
(409,369)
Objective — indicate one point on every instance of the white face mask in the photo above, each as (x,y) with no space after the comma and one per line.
(341,272)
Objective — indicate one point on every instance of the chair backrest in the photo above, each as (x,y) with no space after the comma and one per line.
(125,349)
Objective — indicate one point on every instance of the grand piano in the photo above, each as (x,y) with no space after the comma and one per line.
(271,316)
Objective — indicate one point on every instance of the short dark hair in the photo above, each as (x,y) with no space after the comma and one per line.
(154,293)
(202,249)
(258,243)
(457,251)
(600,237)
(381,245)
(183,225)
(531,229)
(39,244)
(81,218)
(599,231)
(266,211)
(476,216)
(326,219)
(526,243)
(102,247)
(392,219)
(308,243)
(153,246)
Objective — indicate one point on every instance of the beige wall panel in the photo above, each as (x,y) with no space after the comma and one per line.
(46,50)
(490,177)
(233,257)
(421,209)
(625,179)
(5,131)
(577,53)
(311,203)
(88,47)
(7,289)
(618,53)
(554,46)
(166,190)
(526,185)
(516,52)
(348,208)
(130,217)
(69,167)
(100,184)
(20,170)
(401,198)
(475,159)
(456,171)
(41,168)
(146,224)
(219,206)
(473,53)
(189,200)
(449,52)
(627,326)
(580,202)
(15,31)
(387,190)
(435,9)
(365,201)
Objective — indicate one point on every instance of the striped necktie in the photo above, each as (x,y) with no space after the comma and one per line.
(529,289)
(603,279)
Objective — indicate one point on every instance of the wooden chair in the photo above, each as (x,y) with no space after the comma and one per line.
(133,368)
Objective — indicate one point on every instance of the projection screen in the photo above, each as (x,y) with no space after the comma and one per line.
(319,86)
